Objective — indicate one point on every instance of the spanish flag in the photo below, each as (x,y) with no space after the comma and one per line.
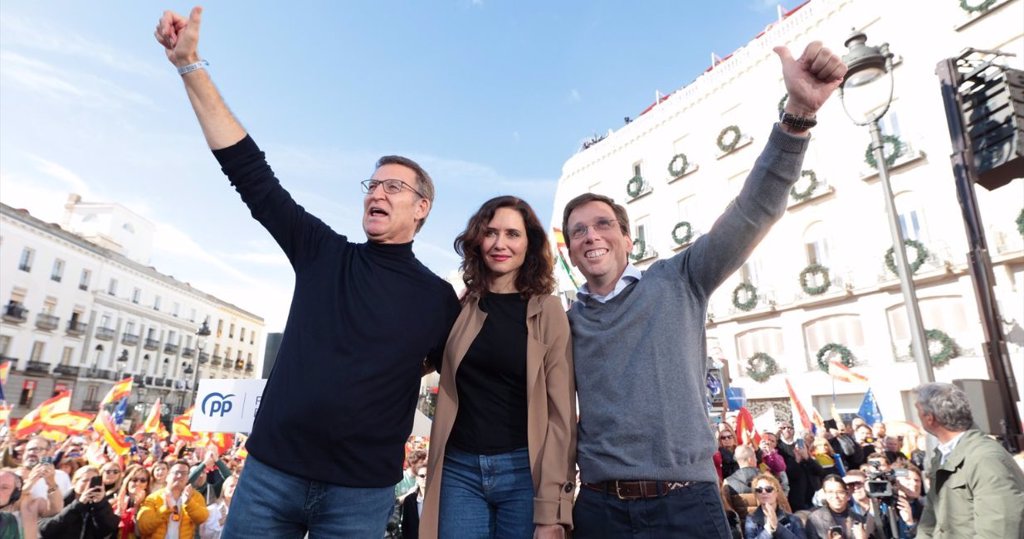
(805,421)
(181,427)
(843,373)
(34,420)
(152,424)
(819,422)
(120,390)
(745,431)
(222,440)
(69,422)
(104,425)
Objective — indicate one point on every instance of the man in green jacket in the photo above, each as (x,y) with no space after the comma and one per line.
(977,491)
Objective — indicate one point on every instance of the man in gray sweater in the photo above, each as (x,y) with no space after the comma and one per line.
(645,444)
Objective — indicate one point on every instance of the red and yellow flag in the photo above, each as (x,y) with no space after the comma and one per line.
(843,373)
(5,369)
(34,420)
(120,390)
(69,422)
(745,430)
(819,422)
(182,427)
(222,440)
(805,421)
(104,425)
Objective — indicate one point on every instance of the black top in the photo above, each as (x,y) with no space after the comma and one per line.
(491,381)
(338,406)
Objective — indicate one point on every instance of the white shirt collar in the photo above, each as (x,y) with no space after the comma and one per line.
(629,275)
(947,448)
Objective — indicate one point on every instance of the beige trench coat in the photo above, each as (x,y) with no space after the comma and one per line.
(551,410)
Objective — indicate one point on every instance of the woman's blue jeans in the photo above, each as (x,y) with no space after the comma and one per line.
(486,496)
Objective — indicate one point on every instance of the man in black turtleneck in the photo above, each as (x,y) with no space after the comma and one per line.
(327,445)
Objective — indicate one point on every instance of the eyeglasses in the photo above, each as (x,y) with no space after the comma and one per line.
(391,186)
(139,480)
(764,490)
(602,225)
(726,437)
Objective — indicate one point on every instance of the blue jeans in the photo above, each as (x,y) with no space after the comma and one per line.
(486,496)
(272,503)
(694,511)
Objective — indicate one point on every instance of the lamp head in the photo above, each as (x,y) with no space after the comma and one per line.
(864,63)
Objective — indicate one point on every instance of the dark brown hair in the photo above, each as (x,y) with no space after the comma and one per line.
(535,278)
(620,213)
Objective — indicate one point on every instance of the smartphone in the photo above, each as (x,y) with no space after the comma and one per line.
(46,460)
(800,443)
(96,481)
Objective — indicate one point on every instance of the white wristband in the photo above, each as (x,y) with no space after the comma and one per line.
(201,64)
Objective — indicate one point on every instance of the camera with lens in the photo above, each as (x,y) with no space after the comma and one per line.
(882,484)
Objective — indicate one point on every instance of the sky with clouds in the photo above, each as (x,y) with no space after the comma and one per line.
(492,97)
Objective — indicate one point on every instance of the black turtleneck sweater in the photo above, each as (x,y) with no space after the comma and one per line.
(338,406)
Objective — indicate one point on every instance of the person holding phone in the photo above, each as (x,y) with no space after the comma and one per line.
(86,514)
(41,478)
(836,517)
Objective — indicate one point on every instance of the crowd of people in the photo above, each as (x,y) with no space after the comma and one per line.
(79,487)
(509,456)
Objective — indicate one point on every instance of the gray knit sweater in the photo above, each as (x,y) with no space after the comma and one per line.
(640,358)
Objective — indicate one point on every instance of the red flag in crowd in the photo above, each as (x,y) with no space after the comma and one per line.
(70,422)
(182,427)
(104,425)
(844,373)
(799,407)
(745,430)
(120,390)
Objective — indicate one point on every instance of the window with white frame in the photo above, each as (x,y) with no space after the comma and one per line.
(751,270)
(156,303)
(946,313)
(66,355)
(816,244)
(49,305)
(37,351)
(175,308)
(129,327)
(105,321)
(844,329)
(27,256)
(136,295)
(767,340)
(5,344)
(911,216)
(83,280)
(192,315)
(112,287)
(57,273)
(642,226)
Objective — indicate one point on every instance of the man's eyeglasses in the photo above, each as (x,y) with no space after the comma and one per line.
(726,437)
(764,490)
(579,231)
(138,480)
(391,187)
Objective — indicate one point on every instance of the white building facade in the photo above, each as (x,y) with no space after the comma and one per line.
(692,151)
(80,316)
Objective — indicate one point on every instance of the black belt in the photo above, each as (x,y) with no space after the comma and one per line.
(636,490)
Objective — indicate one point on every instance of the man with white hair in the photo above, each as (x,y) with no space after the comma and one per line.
(976,489)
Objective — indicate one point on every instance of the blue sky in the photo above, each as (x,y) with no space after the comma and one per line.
(491,97)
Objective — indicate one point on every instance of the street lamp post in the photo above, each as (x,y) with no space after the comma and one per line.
(122,364)
(866,68)
(201,334)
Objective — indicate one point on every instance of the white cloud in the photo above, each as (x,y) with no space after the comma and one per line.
(66,85)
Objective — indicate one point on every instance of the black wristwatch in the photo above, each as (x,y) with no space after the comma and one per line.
(798,123)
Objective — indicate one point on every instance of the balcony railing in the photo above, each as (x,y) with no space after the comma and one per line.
(204,358)
(47,322)
(249,367)
(105,334)
(151,344)
(168,382)
(76,328)
(129,340)
(15,313)
(187,352)
(67,370)
(216,361)
(102,374)
(37,366)
(170,348)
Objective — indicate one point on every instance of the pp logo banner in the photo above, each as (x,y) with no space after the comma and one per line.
(226,405)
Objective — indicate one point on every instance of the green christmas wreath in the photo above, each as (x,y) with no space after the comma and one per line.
(806,193)
(678,165)
(922,255)
(761,366)
(949,348)
(845,355)
(983,6)
(728,145)
(897,150)
(815,269)
(751,300)
(680,237)
(635,186)
(639,248)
